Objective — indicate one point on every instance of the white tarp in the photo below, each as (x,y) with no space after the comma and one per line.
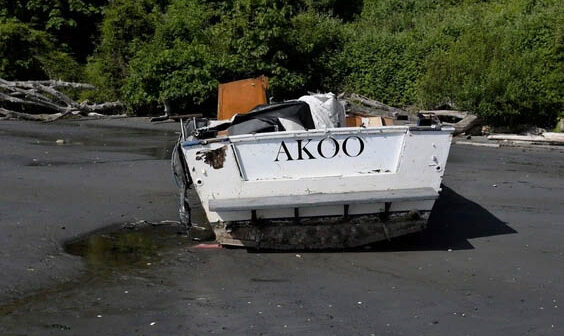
(326,110)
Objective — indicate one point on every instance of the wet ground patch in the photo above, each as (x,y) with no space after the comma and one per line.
(129,245)
(157,144)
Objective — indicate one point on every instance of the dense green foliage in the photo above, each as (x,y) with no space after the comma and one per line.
(26,53)
(197,45)
(127,27)
(72,24)
(501,59)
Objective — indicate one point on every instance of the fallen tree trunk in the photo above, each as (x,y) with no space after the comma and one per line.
(7,114)
(19,98)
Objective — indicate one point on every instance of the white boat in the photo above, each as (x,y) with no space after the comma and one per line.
(313,188)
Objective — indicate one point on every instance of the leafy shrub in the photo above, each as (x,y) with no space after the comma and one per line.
(502,60)
(198,45)
(72,24)
(126,27)
(27,54)
(506,66)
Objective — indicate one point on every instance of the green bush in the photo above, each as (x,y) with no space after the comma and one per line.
(72,24)
(197,45)
(29,54)
(506,66)
(501,60)
(127,26)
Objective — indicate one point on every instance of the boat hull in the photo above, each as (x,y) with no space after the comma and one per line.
(332,188)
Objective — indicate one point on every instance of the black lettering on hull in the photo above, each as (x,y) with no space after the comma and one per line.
(303,153)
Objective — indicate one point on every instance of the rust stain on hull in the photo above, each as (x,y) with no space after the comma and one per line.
(216,157)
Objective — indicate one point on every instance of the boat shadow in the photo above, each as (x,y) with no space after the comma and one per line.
(454,220)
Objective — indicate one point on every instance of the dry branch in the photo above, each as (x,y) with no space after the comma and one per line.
(462,121)
(19,96)
(51,83)
(7,114)
(375,104)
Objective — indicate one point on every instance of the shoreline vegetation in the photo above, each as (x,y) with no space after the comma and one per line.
(502,60)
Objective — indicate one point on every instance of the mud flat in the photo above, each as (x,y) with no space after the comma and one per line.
(491,262)
(101,173)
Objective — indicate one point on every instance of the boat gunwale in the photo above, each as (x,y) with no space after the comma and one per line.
(319,132)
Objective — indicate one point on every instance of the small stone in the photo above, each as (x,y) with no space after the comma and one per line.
(152,323)
(298,255)
(60,142)
(494,185)
(98,316)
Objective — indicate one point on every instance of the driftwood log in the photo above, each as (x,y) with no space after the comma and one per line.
(461,121)
(550,138)
(365,106)
(374,104)
(22,99)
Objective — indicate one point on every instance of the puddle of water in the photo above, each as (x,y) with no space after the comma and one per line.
(127,246)
(124,249)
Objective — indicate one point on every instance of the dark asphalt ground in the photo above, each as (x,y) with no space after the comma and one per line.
(491,262)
